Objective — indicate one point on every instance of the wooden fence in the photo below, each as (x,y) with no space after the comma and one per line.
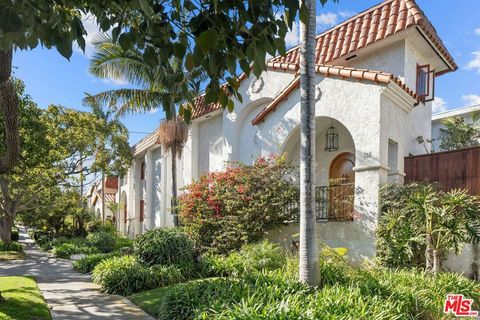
(451,169)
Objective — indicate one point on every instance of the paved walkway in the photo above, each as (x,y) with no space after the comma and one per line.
(70,295)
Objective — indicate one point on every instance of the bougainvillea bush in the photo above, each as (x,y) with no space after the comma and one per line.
(224,210)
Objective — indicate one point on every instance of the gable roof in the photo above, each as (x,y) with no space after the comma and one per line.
(368,27)
(145,143)
(335,71)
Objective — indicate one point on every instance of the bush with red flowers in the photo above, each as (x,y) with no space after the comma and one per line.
(225,210)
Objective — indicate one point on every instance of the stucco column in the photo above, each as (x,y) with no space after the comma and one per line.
(149,219)
(137,196)
(130,225)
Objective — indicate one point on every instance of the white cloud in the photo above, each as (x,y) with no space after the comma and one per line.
(115,82)
(292,38)
(93,32)
(326,20)
(471,99)
(477,31)
(475,63)
(439,105)
(346,13)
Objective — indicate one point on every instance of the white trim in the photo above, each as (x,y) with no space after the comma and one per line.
(455,112)
(399,97)
(370,168)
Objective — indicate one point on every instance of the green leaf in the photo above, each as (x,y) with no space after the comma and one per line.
(190,62)
(303,13)
(149,56)
(146,8)
(207,40)
(124,41)
(9,21)
(230,105)
(179,50)
(64,46)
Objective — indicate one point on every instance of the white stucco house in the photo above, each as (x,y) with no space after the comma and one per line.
(95,194)
(469,113)
(375,82)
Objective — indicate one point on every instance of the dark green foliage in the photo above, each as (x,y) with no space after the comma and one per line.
(15,236)
(65,250)
(167,275)
(89,262)
(122,243)
(253,257)
(346,293)
(102,240)
(12,246)
(164,246)
(124,275)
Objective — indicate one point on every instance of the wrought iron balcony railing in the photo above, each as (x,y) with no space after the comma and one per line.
(335,202)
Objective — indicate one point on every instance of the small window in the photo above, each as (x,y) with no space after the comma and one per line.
(142,210)
(142,171)
(425,83)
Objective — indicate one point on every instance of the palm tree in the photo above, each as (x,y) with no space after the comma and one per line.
(309,260)
(112,153)
(167,85)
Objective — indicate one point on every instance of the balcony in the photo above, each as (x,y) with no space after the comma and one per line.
(334,202)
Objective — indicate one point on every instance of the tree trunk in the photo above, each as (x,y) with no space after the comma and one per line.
(436,262)
(6,224)
(309,260)
(103,197)
(429,253)
(9,109)
(476,256)
(174,185)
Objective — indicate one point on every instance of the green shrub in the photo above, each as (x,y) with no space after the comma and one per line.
(103,241)
(65,250)
(164,246)
(225,210)
(88,263)
(123,242)
(167,275)
(346,293)
(99,226)
(12,246)
(253,257)
(124,275)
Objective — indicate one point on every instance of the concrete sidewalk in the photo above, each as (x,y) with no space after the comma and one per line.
(70,295)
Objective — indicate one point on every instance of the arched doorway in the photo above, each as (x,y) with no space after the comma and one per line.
(341,187)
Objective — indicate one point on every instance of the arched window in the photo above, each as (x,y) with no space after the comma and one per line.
(142,171)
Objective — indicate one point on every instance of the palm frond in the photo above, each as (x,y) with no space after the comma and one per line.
(110,61)
(124,101)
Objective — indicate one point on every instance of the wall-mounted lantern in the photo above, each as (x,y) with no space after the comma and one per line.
(332,139)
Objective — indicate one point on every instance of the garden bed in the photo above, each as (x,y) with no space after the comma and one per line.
(23,300)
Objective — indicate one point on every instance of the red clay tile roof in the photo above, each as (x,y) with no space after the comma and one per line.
(334,71)
(111,183)
(373,25)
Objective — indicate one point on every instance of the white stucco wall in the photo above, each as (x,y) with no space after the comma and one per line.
(210,144)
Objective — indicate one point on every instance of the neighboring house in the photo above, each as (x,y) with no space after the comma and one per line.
(370,118)
(94,198)
(467,113)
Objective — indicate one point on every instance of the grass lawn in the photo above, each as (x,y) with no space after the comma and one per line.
(23,300)
(11,255)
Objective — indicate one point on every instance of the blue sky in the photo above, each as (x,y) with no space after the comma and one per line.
(51,79)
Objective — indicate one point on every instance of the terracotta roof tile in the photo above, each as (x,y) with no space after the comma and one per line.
(368,27)
(334,71)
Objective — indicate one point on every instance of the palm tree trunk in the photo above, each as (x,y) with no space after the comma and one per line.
(309,260)
(436,262)
(9,109)
(429,253)
(174,185)
(103,197)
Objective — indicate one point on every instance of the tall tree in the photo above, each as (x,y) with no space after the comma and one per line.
(460,134)
(309,255)
(212,35)
(157,86)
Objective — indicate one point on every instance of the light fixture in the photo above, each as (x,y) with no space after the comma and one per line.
(332,139)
